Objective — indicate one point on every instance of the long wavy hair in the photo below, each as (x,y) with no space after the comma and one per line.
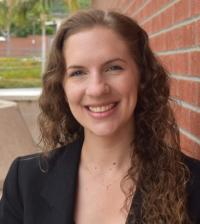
(157,159)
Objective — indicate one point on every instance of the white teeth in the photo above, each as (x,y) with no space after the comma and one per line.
(101,108)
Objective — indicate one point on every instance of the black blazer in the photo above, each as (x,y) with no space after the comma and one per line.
(37,192)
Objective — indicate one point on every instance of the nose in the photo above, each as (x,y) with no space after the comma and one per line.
(97,86)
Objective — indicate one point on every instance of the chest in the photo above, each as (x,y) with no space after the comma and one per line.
(100,201)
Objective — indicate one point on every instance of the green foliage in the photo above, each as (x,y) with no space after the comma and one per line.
(15,72)
(7,15)
(84,3)
(59,6)
(19,83)
(24,17)
(3,11)
(32,28)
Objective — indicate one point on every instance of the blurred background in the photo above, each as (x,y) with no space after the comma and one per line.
(27,28)
(26,31)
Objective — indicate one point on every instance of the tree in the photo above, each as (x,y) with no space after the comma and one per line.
(43,9)
(36,9)
(19,12)
(7,13)
(73,5)
(23,12)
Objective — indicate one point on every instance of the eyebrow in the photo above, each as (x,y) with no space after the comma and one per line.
(105,63)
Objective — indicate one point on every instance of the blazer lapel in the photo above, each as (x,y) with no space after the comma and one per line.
(134,216)
(60,185)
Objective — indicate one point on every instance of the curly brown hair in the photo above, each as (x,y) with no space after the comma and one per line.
(157,159)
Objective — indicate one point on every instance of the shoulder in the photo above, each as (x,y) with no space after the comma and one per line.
(194,168)
(39,164)
(29,174)
(193,188)
(192,163)
(33,169)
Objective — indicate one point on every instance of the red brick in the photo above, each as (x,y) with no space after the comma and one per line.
(190,147)
(182,37)
(189,35)
(133,7)
(177,63)
(181,10)
(23,47)
(197,32)
(122,3)
(145,12)
(151,8)
(106,5)
(174,14)
(195,7)
(156,23)
(182,63)
(158,42)
(188,91)
(164,20)
(148,26)
(188,119)
(103,4)
(173,89)
(167,18)
(195,63)
(186,64)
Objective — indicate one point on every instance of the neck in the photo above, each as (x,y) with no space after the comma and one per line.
(102,153)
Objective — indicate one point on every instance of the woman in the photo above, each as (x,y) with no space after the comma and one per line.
(105,107)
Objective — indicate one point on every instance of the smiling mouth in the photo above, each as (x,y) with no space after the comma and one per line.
(101,109)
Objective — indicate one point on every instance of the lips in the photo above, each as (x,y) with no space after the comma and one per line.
(101,108)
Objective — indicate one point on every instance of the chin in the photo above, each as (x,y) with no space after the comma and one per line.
(103,132)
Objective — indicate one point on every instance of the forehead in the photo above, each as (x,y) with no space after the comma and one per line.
(94,42)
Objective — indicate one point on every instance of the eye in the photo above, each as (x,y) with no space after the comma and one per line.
(114,68)
(76,73)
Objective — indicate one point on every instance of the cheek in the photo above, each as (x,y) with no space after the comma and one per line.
(134,84)
(129,87)
(72,94)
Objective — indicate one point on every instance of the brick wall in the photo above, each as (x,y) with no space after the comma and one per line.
(23,46)
(174,30)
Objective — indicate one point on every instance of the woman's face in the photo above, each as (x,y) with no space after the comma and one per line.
(101,81)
